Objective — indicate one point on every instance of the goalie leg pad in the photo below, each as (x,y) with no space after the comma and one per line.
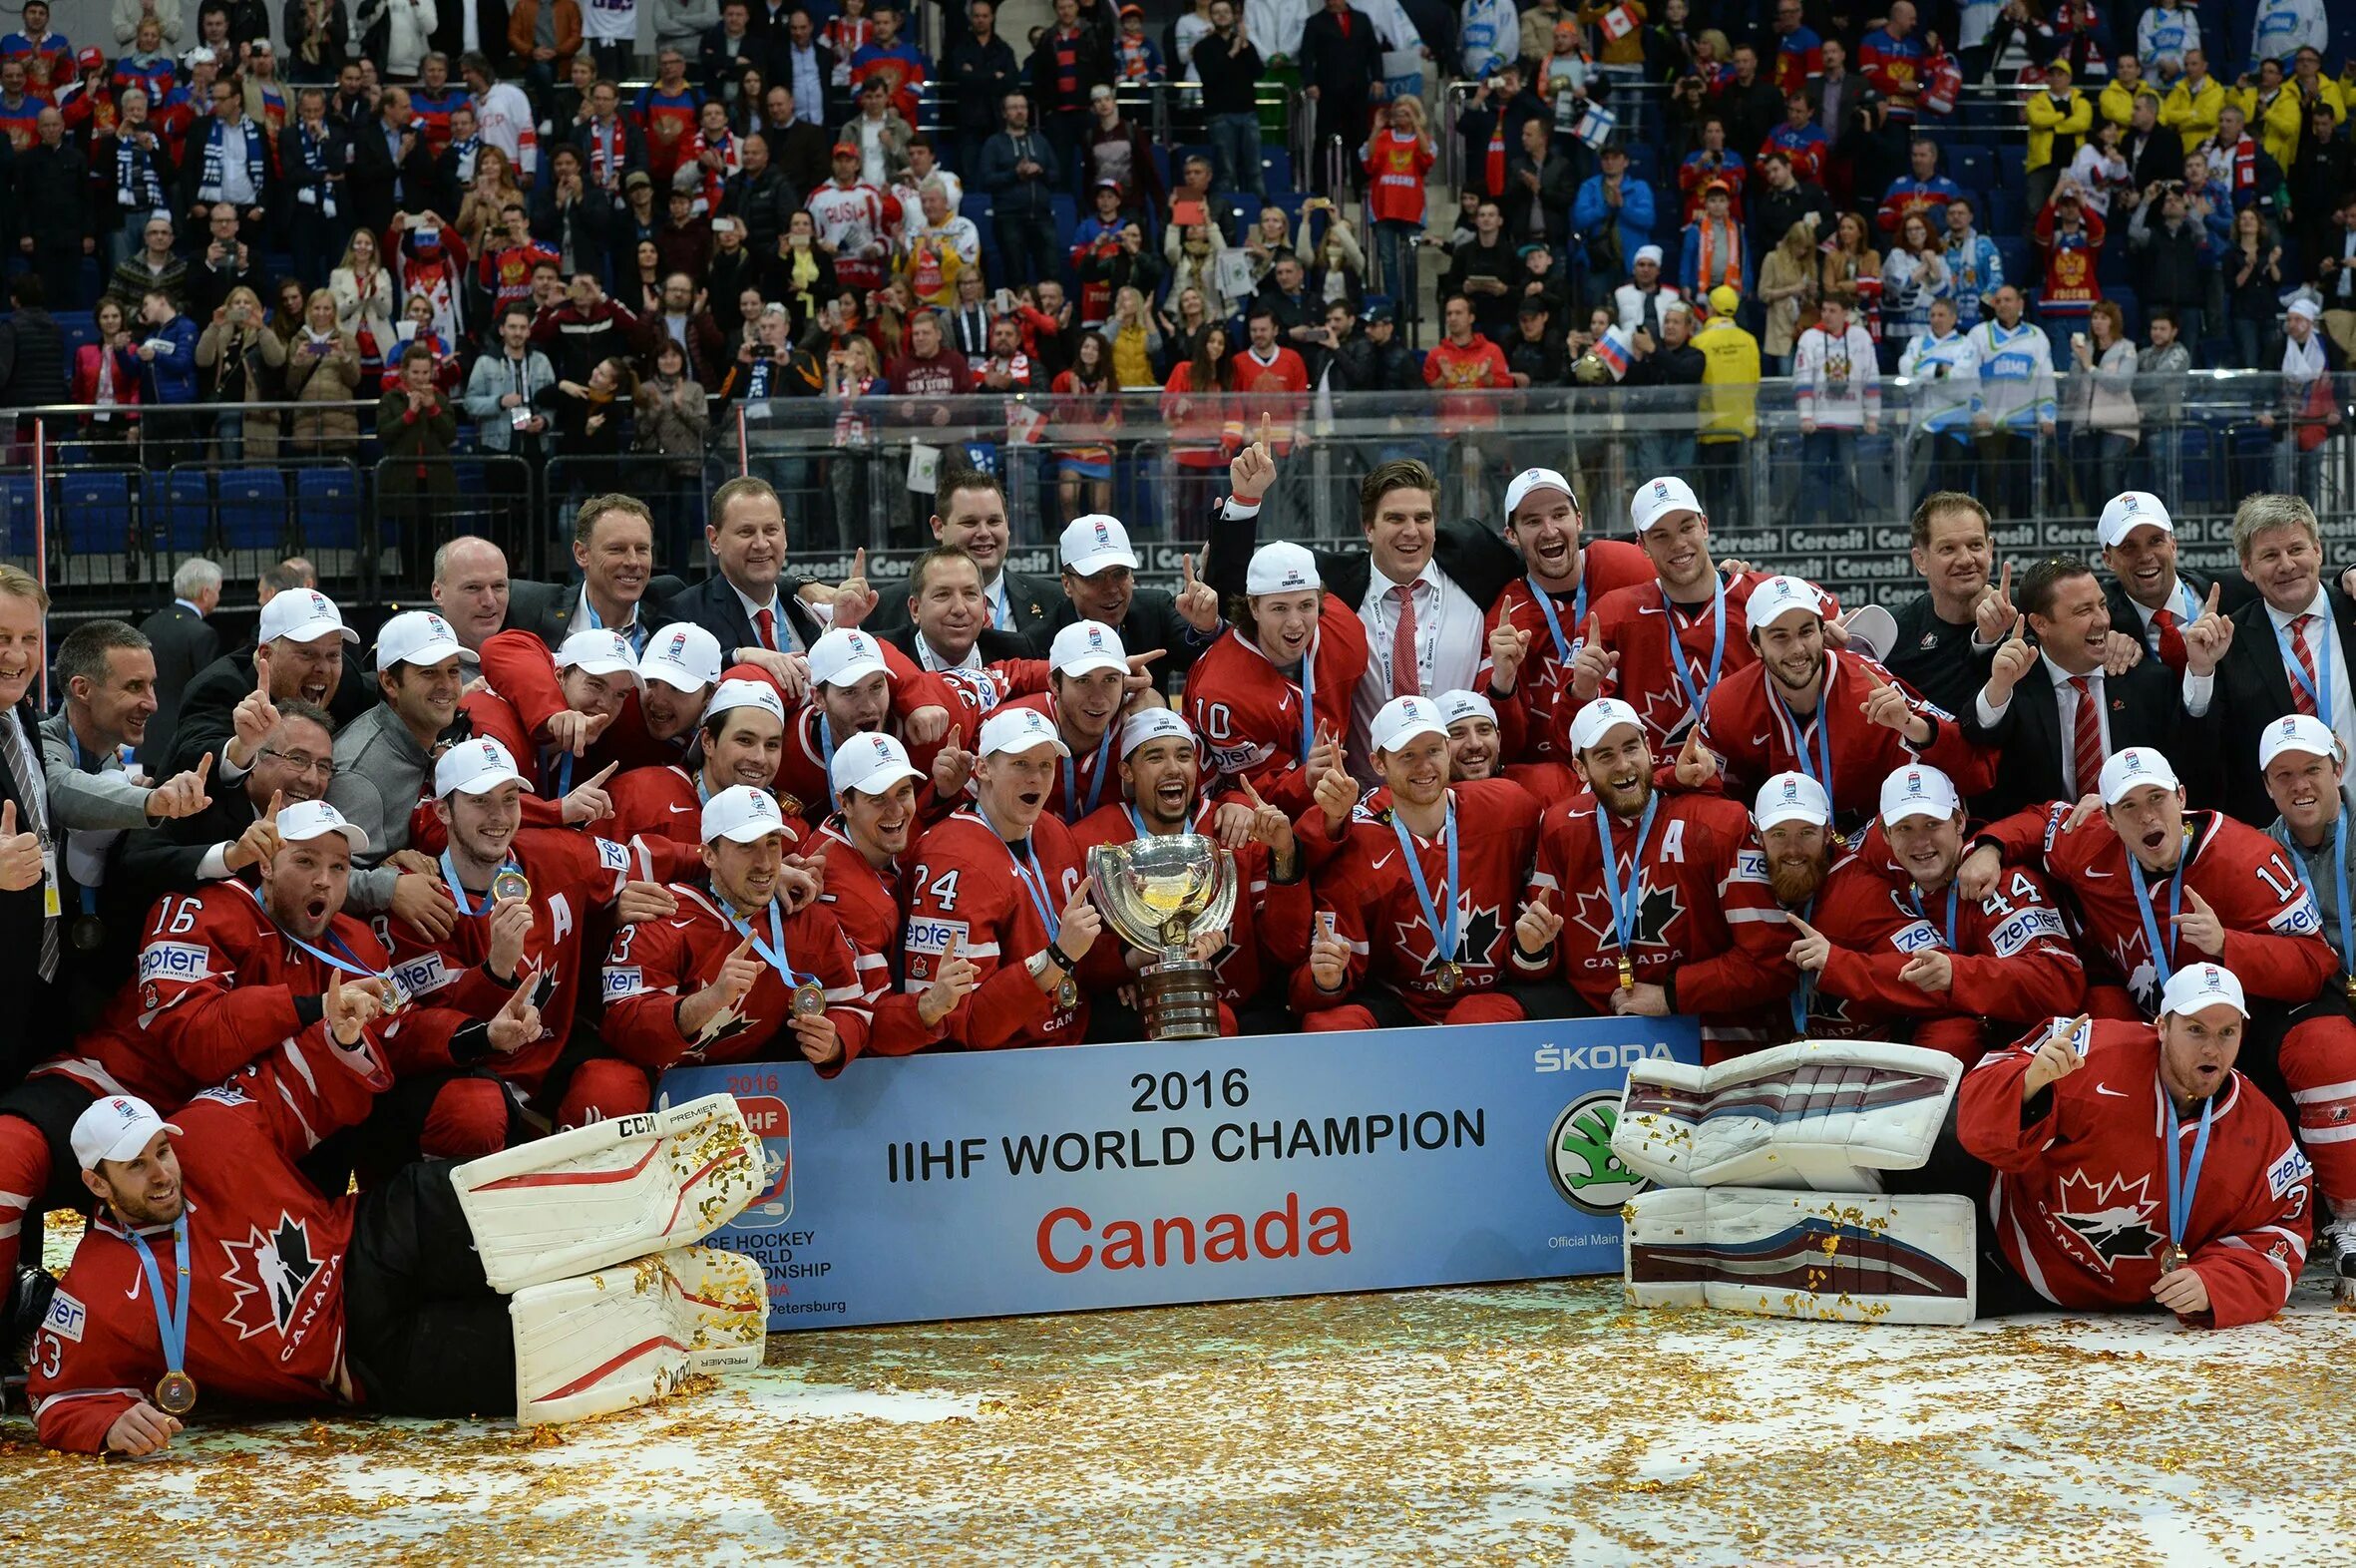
(629,1334)
(1830,1256)
(1823,1114)
(576,1202)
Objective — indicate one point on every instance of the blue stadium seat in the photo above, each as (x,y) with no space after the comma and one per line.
(2008,213)
(328,507)
(976,207)
(2019,260)
(1067,217)
(16,516)
(2012,160)
(180,510)
(1276,168)
(95,505)
(1973,167)
(2130,307)
(253,509)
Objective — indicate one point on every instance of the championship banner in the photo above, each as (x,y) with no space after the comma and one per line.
(998,1183)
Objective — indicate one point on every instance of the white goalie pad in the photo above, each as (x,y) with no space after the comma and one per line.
(627,1334)
(1828,1116)
(583,1199)
(1832,1257)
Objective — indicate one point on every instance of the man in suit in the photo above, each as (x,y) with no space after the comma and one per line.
(2049,705)
(298,656)
(1341,74)
(1100,583)
(972,518)
(31,940)
(2286,652)
(2152,151)
(800,148)
(183,642)
(948,616)
(2149,597)
(742,602)
(727,51)
(392,163)
(614,546)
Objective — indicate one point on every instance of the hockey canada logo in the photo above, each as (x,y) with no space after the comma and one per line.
(272,1274)
(2106,1223)
(1580,1159)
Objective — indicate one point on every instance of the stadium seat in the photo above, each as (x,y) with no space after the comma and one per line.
(1973,167)
(327,508)
(16,516)
(2007,213)
(2130,309)
(2019,258)
(253,509)
(180,510)
(1276,169)
(2012,161)
(95,505)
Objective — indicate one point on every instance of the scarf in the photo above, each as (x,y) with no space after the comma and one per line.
(466,151)
(1719,266)
(2302,361)
(318,190)
(139,188)
(2241,165)
(209,184)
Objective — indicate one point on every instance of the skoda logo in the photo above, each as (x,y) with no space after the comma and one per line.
(1580,1159)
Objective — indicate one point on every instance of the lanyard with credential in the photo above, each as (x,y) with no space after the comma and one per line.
(2162,958)
(2318,691)
(1444,933)
(1698,699)
(2183,1183)
(1626,909)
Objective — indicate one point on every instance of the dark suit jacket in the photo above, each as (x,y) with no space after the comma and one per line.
(996,647)
(207,707)
(2233,592)
(2253,690)
(39,1023)
(1153,623)
(804,151)
(371,180)
(1339,68)
(2161,157)
(716,67)
(2146,710)
(713,606)
(185,642)
(1479,561)
(1033,600)
(545,609)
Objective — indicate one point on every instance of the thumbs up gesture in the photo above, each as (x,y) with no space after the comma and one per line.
(20,854)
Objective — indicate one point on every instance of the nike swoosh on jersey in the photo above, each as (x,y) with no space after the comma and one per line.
(2117,1094)
(2092,874)
(1384,861)
(682,808)
(682,924)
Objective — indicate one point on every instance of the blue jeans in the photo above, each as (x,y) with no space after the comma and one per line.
(1829,475)
(1235,155)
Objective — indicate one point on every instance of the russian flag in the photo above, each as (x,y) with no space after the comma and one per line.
(1612,349)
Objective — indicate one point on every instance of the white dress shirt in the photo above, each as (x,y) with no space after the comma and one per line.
(2066,705)
(1449,646)
(584,619)
(783,629)
(2333,670)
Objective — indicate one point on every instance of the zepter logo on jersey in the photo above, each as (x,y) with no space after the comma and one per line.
(1579,1155)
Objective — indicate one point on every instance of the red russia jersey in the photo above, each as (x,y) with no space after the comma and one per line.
(1707,924)
(1642,624)
(1266,935)
(1545,675)
(655,965)
(266,1259)
(1366,891)
(867,903)
(1756,735)
(670,121)
(1395,163)
(964,889)
(1248,713)
(2273,933)
(1274,387)
(1088,779)
(2079,1195)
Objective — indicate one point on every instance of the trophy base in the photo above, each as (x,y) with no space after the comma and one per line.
(1181,998)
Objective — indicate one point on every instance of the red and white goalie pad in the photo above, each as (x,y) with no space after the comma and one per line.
(629,1334)
(1828,1115)
(584,1199)
(1824,1256)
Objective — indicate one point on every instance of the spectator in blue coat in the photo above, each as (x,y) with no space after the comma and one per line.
(1613,217)
(168,360)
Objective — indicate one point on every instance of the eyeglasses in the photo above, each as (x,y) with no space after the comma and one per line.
(303,762)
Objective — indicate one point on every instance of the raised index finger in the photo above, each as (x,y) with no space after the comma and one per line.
(604,774)
(859,562)
(2004,583)
(2212,599)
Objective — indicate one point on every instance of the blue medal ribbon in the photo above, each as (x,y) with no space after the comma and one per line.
(2162,955)
(172,1328)
(2318,691)
(1698,699)
(2181,1185)
(1916,893)
(1798,734)
(1564,649)
(773,951)
(1033,878)
(457,888)
(349,964)
(1626,908)
(1443,933)
(2339,872)
(74,743)
(1308,700)
(1804,994)
(1072,810)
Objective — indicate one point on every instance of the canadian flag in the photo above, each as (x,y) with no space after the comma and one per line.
(1618,23)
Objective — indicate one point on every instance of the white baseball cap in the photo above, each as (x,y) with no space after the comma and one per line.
(1455,705)
(1779,596)
(1085,645)
(415,637)
(1404,718)
(1153,724)
(1018,729)
(302,615)
(1791,797)
(1535,479)
(117,1127)
(2131,510)
(2188,989)
(1281,567)
(1094,542)
(746,694)
(682,657)
(870,763)
(475,767)
(316,819)
(845,657)
(2296,732)
(599,652)
(1598,719)
(1919,790)
(1655,499)
(1650,253)
(741,814)
(2132,768)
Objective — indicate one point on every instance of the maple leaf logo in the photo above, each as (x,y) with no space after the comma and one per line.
(2103,1222)
(269,1275)
(1656,911)
(1477,933)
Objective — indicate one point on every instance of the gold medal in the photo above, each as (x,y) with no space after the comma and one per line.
(389,992)
(2174,1259)
(1068,995)
(2350,982)
(809,1000)
(175,1392)
(1448,977)
(511,884)
(1627,975)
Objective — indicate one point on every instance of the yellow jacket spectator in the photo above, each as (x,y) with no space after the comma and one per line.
(2060,111)
(2273,115)
(2118,103)
(1729,372)
(2193,104)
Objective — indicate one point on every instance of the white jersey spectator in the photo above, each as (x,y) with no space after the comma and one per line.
(1837,378)
(2016,373)
(1946,376)
(503,115)
(2284,27)
(2161,38)
(1490,34)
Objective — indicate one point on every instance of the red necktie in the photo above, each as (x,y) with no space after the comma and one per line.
(2304,696)
(1405,680)
(2171,639)
(765,620)
(1344,19)
(2086,751)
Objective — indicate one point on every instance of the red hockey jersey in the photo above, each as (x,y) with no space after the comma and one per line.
(655,965)
(2079,1195)
(1642,624)
(1248,715)
(2273,933)
(1088,779)
(1756,735)
(1605,564)
(1367,893)
(266,1257)
(867,903)
(963,888)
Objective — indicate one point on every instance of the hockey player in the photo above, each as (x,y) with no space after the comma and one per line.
(859,684)
(1001,882)
(2134,1166)
(1478,743)
(743,734)
(1087,691)
(1410,922)
(1270,696)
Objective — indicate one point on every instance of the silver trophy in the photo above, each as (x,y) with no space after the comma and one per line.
(1161,894)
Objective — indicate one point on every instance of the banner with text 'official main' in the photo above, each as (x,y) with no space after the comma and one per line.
(996,1183)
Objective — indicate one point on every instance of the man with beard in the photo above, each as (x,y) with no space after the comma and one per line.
(1544,613)
(1001,883)
(1478,742)
(751,969)
(2067,1117)
(1664,646)
(862,846)
(297,655)
(2149,597)
(1947,634)
(743,739)
(1888,937)
(1828,712)
(973,517)
(1409,922)
(1270,696)
(1685,921)
(384,757)
(1101,584)
(2053,710)
(1268,933)
(1087,687)
(524,897)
